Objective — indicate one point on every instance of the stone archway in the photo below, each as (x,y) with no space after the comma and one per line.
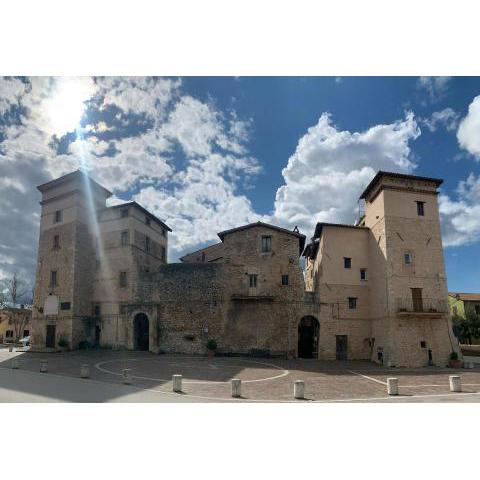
(308,334)
(141,332)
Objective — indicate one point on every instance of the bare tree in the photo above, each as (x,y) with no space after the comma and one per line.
(14,289)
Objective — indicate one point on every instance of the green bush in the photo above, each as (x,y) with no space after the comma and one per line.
(63,342)
(84,345)
(454,356)
(212,344)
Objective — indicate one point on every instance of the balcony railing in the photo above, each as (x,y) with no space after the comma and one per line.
(423,307)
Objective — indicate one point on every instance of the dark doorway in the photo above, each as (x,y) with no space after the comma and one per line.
(417,301)
(341,348)
(141,331)
(308,329)
(50,338)
(97,335)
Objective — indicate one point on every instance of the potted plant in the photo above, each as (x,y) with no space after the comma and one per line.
(63,344)
(211,347)
(454,362)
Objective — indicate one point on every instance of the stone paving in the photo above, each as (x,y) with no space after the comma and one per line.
(268,380)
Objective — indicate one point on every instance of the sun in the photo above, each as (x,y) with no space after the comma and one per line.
(65,107)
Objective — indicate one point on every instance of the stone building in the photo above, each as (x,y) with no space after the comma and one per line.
(15,323)
(381,284)
(375,291)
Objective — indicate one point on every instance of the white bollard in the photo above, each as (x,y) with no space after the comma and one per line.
(468,365)
(10,348)
(127,376)
(299,389)
(43,366)
(392,386)
(15,363)
(84,371)
(455,385)
(177,383)
(236,388)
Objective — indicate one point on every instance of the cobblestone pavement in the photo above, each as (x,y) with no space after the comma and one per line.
(208,379)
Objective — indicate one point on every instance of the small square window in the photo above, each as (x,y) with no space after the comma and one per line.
(266,243)
(147,220)
(9,334)
(363,274)
(123,279)
(347,262)
(284,279)
(408,258)
(124,212)
(253,280)
(65,306)
(352,303)
(421,209)
(58,216)
(26,333)
(423,344)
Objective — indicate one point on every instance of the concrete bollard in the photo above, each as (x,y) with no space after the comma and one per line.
(10,348)
(455,384)
(392,386)
(15,363)
(236,388)
(299,389)
(43,366)
(84,371)
(177,383)
(468,365)
(127,376)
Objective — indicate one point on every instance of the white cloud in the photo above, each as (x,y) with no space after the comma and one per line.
(436,87)
(461,218)
(447,118)
(468,134)
(331,167)
(11,90)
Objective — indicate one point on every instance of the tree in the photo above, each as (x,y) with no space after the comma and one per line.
(14,289)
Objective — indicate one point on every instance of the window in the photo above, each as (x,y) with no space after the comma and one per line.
(65,306)
(9,334)
(352,303)
(477,309)
(124,238)
(124,212)
(363,274)
(423,344)
(26,333)
(266,243)
(53,278)
(147,244)
(253,280)
(123,279)
(164,232)
(408,258)
(347,262)
(417,300)
(421,209)
(58,216)
(284,279)
(96,310)
(56,242)
(164,253)
(147,220)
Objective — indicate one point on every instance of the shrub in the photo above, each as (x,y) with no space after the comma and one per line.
(63,342)
(84,345)
(454,356)
(212,344)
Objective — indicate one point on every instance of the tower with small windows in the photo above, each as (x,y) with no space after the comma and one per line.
(66,260)
(408,285)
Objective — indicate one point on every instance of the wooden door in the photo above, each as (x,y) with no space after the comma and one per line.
(341,347)
(50,338)
(417,300)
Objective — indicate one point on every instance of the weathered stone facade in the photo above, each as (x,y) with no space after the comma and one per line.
(248,291)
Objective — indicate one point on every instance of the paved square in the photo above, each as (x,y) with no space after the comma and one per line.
(209,379)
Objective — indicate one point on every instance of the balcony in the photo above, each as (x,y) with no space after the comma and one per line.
(249,296)
(421,308)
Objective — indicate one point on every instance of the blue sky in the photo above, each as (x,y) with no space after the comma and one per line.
(206,154)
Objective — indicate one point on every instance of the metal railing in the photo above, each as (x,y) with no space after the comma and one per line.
(423,305)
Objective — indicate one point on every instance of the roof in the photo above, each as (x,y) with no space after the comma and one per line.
(69,177)
(380,174)
(200,250)
(297,234)
(144,210)
(466,297)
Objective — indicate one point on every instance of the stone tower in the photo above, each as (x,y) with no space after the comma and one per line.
(408,286)
(66,259)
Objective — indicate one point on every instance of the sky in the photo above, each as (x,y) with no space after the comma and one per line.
(206,154)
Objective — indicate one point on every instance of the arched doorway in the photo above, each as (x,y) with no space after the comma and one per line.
(140,331)
(308,330)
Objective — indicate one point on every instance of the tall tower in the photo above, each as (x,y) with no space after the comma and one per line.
(66,260)
(408,286)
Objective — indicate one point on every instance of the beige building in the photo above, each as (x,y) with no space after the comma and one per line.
(15,323)
(381,285)
(372,291)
